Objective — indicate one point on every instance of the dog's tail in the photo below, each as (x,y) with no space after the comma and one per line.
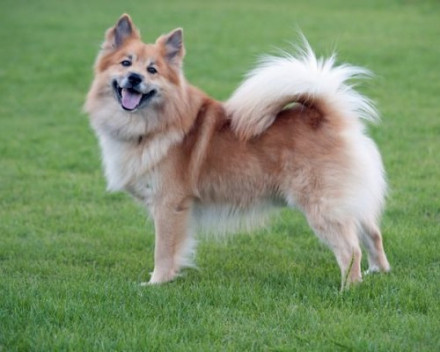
(279,81)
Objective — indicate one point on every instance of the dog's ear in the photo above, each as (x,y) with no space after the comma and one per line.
(172,46)
(117,35)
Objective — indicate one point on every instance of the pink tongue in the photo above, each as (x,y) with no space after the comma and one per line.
(130,100)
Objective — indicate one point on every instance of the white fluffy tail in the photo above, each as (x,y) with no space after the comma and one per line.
(279,81)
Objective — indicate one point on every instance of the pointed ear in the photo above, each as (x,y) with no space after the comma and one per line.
(117,35)
(172,44)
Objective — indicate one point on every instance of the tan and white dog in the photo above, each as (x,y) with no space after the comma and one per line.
(291,134)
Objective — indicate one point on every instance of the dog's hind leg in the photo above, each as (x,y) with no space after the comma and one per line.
(341,237)
(372,241)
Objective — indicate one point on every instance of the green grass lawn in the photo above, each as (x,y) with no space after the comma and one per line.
(72,255)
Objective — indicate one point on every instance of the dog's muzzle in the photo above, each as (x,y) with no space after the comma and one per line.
(132,92)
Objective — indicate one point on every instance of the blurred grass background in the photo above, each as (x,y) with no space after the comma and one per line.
(71,255)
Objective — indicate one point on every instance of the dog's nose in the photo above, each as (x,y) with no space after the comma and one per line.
(134,79)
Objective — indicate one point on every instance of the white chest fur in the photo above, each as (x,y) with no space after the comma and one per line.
(129,165)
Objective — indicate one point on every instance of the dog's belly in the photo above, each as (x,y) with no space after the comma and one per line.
(223,218)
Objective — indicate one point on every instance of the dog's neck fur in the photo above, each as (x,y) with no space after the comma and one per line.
(130,162)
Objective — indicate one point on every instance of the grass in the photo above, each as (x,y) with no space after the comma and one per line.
(71,255)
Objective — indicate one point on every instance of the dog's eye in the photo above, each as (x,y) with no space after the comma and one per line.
(126,63)
(152,70)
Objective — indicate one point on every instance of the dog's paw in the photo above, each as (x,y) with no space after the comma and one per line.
(373,269)
(160,277)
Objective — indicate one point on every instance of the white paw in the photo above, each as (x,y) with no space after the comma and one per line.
(376,269)
(370,271)
(160,277)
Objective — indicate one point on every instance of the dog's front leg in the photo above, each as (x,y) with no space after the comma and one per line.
(174,245)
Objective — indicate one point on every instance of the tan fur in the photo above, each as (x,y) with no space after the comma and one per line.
(302,159)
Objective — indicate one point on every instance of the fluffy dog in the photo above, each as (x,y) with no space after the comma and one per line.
(292,134)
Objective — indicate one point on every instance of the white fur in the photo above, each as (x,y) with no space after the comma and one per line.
(128,166)
(278,81)
(186,254)
(364,195)
(222,219)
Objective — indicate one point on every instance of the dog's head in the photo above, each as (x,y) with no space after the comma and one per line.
(135,78)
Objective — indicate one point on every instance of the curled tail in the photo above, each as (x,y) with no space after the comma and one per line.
(279,81)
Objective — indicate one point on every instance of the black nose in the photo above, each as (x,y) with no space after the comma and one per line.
(135,79)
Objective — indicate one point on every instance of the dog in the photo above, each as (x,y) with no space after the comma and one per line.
(292,134)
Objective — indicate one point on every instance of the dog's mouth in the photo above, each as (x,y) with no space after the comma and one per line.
(130,98)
